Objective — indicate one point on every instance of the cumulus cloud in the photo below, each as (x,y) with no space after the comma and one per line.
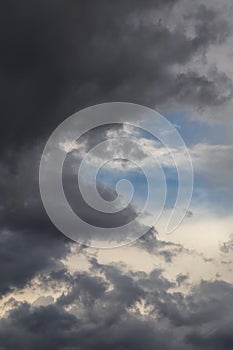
(58,57)
(110,307)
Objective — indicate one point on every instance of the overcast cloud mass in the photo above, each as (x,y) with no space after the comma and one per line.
(160,292)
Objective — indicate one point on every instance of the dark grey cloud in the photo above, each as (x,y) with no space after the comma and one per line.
(213,89)
(151,243)
(181,278)
(57,57)
(60,56)
(210,26)
(51,326)
(25,254)
(218,333)
(98,317)
(29,243)
(102,309)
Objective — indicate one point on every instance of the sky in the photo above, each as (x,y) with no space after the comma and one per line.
(142,291)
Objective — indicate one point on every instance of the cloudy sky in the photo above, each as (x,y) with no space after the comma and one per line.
(158,292)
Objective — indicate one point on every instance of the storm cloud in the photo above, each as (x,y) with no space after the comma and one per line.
(58,57)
